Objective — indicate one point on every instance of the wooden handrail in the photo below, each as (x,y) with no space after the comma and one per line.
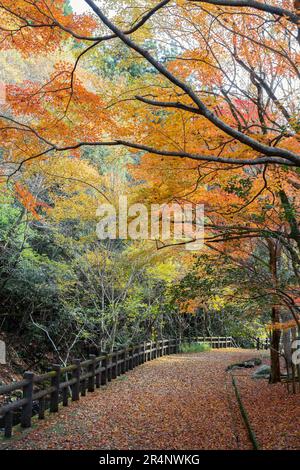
(85,375)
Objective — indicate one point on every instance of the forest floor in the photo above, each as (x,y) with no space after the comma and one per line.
(182,402)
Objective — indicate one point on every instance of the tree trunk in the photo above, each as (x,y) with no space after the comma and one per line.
(274,250)
(275,344)
(287,342)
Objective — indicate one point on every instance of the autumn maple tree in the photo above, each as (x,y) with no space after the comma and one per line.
(204,94)
(233,72)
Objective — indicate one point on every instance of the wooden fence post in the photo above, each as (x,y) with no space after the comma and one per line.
(140,354)
(27,393)
(92,370)
(136,359)
(55,381)
(146,351)
(129,358)
(83,386)
(118,359)
(76,385)
(129,352)
(123,363)
(114,366)
(104,372)
(65,394)
(132,359)
(8,424)
(109,368)
(97,373)
(126,362)
(134,362)
(42,408)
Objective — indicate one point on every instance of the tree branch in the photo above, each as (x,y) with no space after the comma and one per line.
(202,109)
(256,5)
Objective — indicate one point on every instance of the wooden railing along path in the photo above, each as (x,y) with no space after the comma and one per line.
(45,392)
(215,342)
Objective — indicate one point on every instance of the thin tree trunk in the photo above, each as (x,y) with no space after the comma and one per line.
(274,250)
(287,341)
(275,344)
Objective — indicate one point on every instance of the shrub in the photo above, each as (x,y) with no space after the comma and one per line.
(194,347)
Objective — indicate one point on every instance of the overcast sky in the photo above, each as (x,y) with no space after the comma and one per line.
(79,6)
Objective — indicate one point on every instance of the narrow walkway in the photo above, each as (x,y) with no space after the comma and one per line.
(175,402)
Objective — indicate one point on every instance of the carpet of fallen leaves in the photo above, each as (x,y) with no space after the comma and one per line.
(273,413)
(175,402)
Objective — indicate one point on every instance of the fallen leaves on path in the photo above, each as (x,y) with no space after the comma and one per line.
(175,402)
(274,414)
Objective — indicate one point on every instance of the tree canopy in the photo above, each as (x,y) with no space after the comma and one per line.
(172,101)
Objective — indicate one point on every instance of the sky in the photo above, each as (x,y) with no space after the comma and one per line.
(79,6)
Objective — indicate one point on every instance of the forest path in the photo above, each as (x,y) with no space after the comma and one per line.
(183,401)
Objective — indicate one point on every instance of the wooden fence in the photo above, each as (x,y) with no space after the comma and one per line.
(262,343)
(46,391)
(215,342)
(39,393)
